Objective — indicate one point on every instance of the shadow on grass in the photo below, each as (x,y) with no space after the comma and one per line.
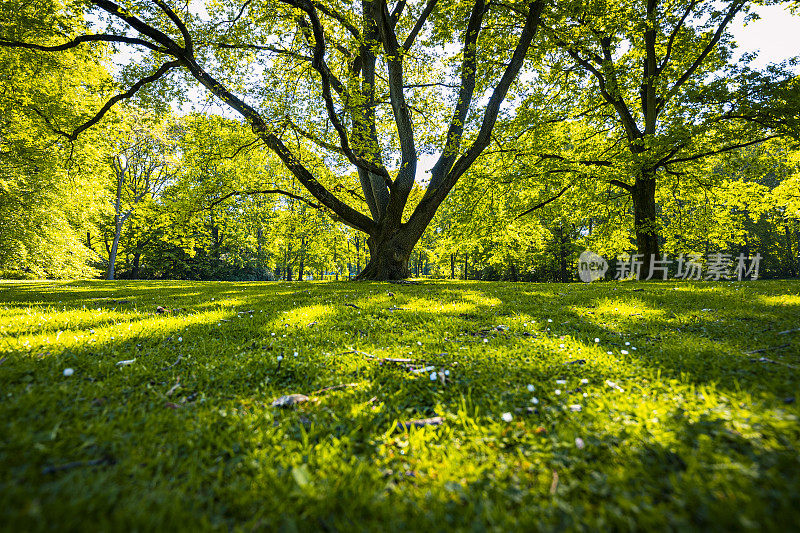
(189,416)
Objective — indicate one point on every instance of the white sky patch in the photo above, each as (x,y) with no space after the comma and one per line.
(775,36)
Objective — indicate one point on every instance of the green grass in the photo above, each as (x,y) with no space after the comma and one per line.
(681,429)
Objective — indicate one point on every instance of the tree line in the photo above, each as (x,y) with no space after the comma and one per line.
(619,127)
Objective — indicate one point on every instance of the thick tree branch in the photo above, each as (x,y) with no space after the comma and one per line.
(188,45)
(402,116)
(409,42)
(321,67)
(339,17)
(468,70)
(621,185)
(313,138)
(349,215)
(83,39)
(498,96)
(434,196)
(628,122)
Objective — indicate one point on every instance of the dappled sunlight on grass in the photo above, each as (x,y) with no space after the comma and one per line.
(783,299)
(560,405)
(301,317)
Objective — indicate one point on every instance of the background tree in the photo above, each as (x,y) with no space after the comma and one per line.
(659,85)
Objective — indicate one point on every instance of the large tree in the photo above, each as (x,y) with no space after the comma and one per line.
(651,87)
(346,76)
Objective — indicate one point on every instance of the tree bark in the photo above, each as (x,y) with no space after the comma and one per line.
(137,256)
(388,258)
(644,210)
(301,268)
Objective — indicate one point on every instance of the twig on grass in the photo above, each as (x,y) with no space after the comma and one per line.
(765,360)
(178,360)
(174,387)
(762,350)
(405,426)
(75,464)
(788,331)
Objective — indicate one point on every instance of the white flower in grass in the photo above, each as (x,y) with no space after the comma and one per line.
(633,347)
(485,340)
(549,319)
(295,354)
(575,408)
(534,400)
(558,392)
(446,372)
(609,353)
(180,339)
(419,343)
(433,376)
(562,345)
(584,381)
(531,388)
(507,417)
(561,382)
(280,358)
(624,352)
(68,372)
(579,443)
(627,343)
(597,339)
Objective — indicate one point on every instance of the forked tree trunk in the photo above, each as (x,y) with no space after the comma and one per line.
(388,258)
(644,211)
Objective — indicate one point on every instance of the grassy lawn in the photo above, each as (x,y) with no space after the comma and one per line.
(610,406)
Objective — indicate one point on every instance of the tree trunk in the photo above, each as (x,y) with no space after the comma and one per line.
(789,255)
(335,262)
(388,259)
(112,254)
(259,235)
(302,267)
(135,269)
(358,256)
(644,210)
(797,237)
(452,266)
